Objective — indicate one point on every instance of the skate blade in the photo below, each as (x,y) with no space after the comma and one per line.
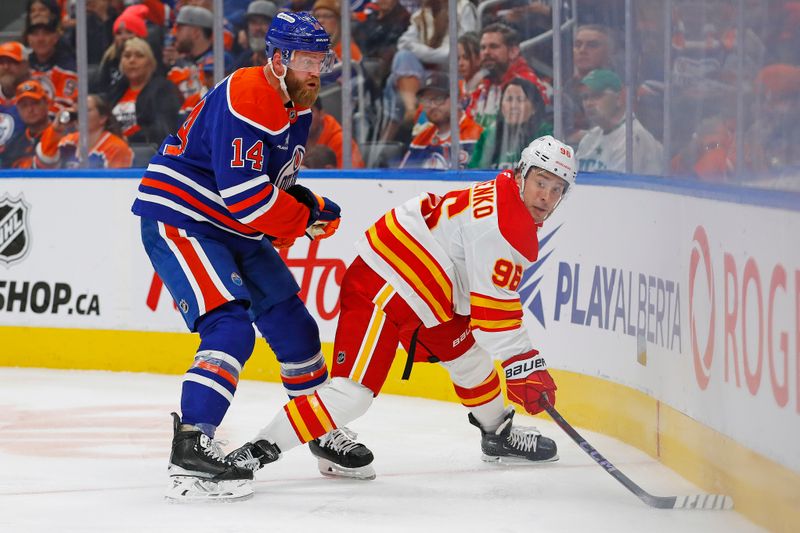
(510,460)
(188,489)
(331,469)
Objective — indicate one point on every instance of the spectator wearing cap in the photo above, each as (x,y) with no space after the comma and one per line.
(772,141)
(144,103)
(431,147)
(228,30)
(257,19)
(130,23)
(195,56)
(329,15)
(14,69)
(603,146)
(52,64)
(325,130)
(422,47)
(32,102)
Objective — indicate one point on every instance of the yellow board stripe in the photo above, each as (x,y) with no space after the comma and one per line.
(509,305)
(322,416)
(299,423)
(495,324)
(403,267)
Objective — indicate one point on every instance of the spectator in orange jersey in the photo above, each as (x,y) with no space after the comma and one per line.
(32,103)
(106,147)
(145,104)
(326,130)
(431,147)
(52,64)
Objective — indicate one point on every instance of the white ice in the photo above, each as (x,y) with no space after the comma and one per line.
(87,451)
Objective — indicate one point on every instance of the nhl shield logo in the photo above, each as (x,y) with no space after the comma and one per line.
(14,231)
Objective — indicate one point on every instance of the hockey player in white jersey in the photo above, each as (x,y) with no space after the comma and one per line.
(439,275)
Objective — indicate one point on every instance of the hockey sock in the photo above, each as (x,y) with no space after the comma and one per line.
(294,337)
(302,419)
(484,401)
(305,377)
(227,341)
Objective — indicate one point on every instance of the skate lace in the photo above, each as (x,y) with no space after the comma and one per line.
(341,440)
(245,459)
(213,448)
(524,438)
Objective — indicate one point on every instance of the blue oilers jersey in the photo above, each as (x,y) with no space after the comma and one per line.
(223,173)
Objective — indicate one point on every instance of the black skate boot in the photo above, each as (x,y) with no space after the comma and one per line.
(254,455)
(198,472)
(515,444)
(339,455)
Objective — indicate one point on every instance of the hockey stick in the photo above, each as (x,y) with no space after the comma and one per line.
(697,501)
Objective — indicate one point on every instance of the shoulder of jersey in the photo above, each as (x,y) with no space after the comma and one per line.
(514,220)
(70,139)
(424,137)
(251,98)
(471,130)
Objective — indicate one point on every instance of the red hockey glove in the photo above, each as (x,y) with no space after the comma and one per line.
(526,379)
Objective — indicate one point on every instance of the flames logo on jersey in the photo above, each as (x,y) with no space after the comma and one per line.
(529,293)
(14,232)
(288,173)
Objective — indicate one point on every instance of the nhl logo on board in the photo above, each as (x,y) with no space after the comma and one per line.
(14,231)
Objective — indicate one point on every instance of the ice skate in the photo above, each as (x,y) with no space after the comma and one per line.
(197,471)
(254,455)
(339,455)
(511,444)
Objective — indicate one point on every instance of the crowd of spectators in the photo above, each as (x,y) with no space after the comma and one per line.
(151,61)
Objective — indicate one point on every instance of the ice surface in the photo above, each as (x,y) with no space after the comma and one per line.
(87,452)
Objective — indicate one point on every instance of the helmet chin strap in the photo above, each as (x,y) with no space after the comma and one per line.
(281,79)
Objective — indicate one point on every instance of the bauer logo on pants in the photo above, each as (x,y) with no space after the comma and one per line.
(14,232)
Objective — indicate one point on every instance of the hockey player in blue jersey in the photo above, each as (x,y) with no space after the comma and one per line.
(214,203)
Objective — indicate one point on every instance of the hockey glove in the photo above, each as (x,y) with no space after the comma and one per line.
(324,214)
(526,379)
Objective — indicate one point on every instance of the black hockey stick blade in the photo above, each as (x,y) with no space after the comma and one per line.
(709,502)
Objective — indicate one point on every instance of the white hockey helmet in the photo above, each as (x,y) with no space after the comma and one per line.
(550,154)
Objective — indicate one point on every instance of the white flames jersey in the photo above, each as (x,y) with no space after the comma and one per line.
(460,254)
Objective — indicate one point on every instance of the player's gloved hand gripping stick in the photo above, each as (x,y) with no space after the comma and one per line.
(324,215)
(527,379)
